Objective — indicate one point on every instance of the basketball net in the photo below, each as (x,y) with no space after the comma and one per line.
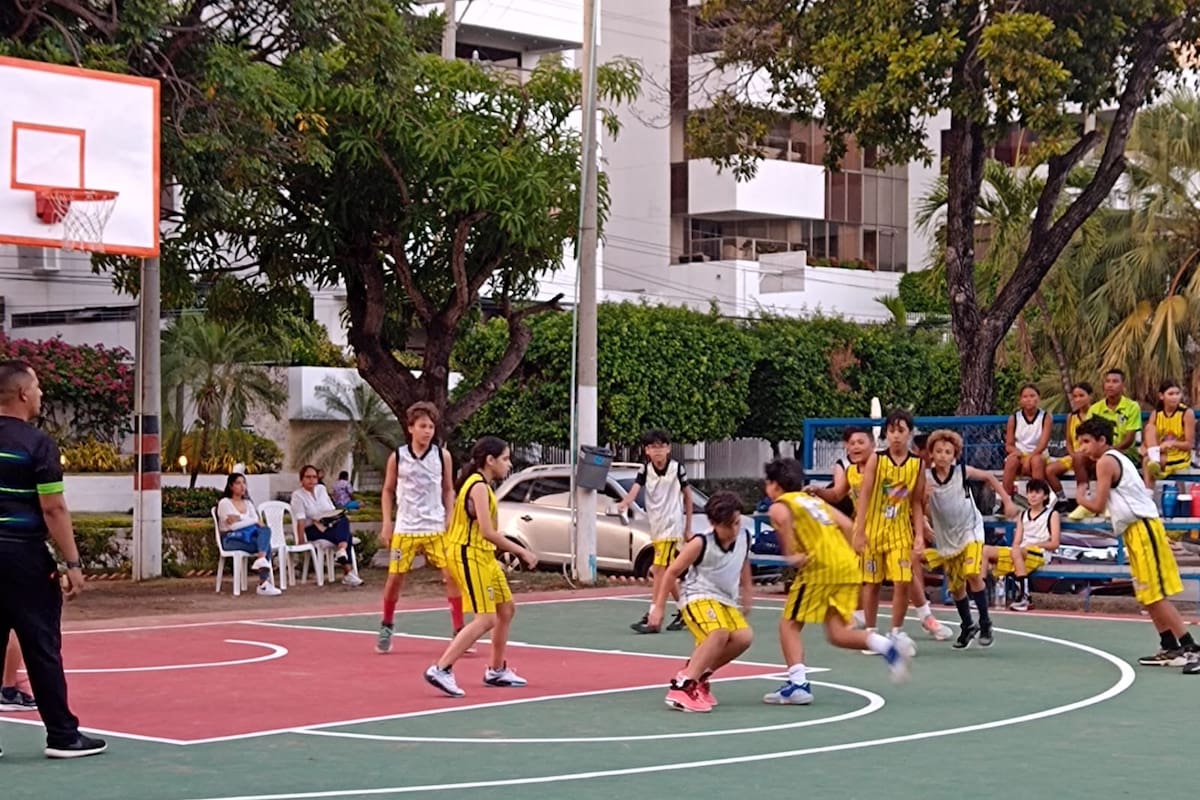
(84,213)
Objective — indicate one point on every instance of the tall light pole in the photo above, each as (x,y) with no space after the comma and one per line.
(450,32)
(586,393)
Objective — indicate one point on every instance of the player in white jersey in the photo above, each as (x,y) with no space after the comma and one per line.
(958,532)
(1026,438)
(715,568)
(419,486)
(1037,533)
(1135,519)
(668,502)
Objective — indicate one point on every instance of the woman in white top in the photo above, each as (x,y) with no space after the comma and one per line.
(237,519)
(318,518)
(1025,439)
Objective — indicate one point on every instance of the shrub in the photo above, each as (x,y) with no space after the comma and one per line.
(749,489)
(227,448)
(178,501)
(92,455)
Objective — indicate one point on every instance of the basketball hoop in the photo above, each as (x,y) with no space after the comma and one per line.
(82,212)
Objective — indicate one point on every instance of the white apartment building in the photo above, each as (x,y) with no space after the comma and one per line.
(678,231)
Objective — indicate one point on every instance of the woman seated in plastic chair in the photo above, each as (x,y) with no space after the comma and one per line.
(319,519)
(237,519)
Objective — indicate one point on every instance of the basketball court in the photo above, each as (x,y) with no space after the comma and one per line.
(293,708)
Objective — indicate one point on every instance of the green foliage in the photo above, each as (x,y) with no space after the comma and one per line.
(87,389)
(91,455)
(659,367)
(257,454)
(750,490)
(924,292)
(180,502)
(373,430)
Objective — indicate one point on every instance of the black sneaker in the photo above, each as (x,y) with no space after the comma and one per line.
(1192,667)
(968,634)
(677,624)
(13,699)
(985,634)
(82,747)
(1164,658)
(643,625)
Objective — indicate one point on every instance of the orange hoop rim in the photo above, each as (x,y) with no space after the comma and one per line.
(74,195)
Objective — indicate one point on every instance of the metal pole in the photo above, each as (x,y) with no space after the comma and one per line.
(147,522)
(587,394)
(450,32)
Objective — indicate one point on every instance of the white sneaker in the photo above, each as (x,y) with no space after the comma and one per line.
(936,629)
(269,589)
(352,580)
(260,563)
(904,643)
(444,680)
(790,694)
(503,677)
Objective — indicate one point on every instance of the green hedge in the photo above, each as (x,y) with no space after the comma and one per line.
(178,501)
(749,489)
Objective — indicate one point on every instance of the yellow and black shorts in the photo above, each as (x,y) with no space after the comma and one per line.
(958,567)
(481,578)
(405,547)
(665,551)
(1151,563)
(704,617)
(812,602)
(894,564)
(1034,558)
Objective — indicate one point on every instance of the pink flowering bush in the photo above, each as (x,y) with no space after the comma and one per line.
(88,389)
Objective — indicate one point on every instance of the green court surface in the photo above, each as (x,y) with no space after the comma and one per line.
(1053,709)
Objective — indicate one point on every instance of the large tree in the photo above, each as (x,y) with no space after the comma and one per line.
(878,71)
(323,141)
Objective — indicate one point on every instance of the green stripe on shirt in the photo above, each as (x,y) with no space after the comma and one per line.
(6,490)
(56,487)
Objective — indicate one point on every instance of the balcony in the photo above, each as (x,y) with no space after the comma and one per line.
(779,189)
(527,26)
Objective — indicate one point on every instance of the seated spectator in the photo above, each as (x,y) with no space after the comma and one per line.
(1026,438)
(1038,532)
(1169,436)
(317,519)
(14,692)
(1075,460)
(343,493)
(237,519)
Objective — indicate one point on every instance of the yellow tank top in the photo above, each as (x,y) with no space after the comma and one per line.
(464,527)
(854,477)
(1074,420)
(889,508)
(831,558)
(1170,427)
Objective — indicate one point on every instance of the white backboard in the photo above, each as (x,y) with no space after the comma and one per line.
(70,128)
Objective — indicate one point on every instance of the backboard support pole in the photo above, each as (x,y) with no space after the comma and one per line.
(147,509)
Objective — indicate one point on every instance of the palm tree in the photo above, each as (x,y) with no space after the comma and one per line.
(372,430)
(215,371)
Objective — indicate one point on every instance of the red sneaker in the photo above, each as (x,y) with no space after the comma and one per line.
(687,699)
(704,692)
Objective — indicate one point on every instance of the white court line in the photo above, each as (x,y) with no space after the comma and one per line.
(1123,682)
(531,645)
(276,652)
(874,703)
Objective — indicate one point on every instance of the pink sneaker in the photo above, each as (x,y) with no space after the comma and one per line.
(687,699)
(704,692)
(936,629)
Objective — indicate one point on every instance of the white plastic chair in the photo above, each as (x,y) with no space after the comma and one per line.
(327,558)
(240,566)
(273,512)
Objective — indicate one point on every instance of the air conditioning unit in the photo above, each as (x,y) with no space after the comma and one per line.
(39,260)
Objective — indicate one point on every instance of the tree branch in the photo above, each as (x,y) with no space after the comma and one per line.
(367,309)
(519,337)
(404,272)
(397,176)
(458,259)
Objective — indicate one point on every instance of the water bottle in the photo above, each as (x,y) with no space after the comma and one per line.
(1195,493)
(1170,500)
(1000,591)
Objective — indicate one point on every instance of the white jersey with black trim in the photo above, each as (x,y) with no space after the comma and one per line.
(1128,499)
(717,573)
(1035,531)
(662,497)
(952,511)
(420,509)
(1027,433)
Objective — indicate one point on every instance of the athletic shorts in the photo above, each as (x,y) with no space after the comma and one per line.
(1158,471)
(893,565)
(665,551)
(1034,558)
(480,577)
(704,617)
(812,602)
(1155,573)
(958,567)
(405,547)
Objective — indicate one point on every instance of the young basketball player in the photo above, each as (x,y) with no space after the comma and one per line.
(668,504)
(889,526)
(472,541)
(1038,531)
(419,485)
(958,532)
(717,592)
(1169,436)
(1135,519)
(814,539)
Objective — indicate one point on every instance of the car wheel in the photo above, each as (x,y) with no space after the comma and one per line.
(643,562)
(509,561)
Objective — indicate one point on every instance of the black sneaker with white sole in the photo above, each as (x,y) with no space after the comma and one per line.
(643,625)
(82,747)
(677,624)
(966,636)
(985,634)
(1192,667)
(1164,658)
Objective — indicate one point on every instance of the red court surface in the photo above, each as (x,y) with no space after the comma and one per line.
(176,684)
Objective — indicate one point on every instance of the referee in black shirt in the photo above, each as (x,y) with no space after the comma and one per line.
(32,507)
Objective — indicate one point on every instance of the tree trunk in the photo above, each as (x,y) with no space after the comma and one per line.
(1060,355)
(201,452)
(977,378)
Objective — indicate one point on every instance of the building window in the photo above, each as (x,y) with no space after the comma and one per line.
(74,316)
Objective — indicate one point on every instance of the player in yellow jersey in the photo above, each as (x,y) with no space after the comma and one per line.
(1169,436)
(814,538)
(889,528)
(471,544)
(843,495)
(1075,460)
